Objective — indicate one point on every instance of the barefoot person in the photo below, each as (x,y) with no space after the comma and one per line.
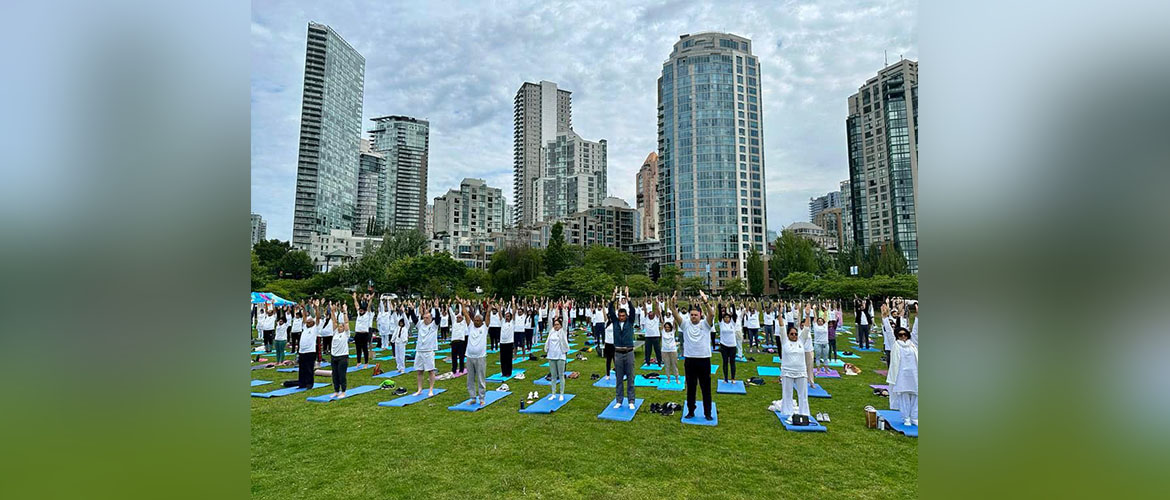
(557,347)
(361,330)
(728,339)
(424,354)
(696,335)
(669,343)
(653,332)
(477,338)
(623,347)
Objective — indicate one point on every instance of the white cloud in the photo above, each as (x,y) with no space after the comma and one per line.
(459,64)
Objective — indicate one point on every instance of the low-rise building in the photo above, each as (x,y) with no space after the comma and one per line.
(340,246)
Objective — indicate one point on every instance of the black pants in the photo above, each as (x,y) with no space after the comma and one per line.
(305,363)
(362,341)
(728,353)
(458,355)
(598,333)
(887,360)
(294,341)
(832,348)
(338,365)
(444,332)
(528,340)
(753,336)
(608,357)
(269,338)
(506,358)
(863,336)
(543,325)
(653,344)
(698,372)
(323,345)
(494,337)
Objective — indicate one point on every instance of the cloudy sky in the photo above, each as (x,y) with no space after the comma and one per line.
(459,64)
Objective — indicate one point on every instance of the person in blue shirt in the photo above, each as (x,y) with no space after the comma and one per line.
(623,342)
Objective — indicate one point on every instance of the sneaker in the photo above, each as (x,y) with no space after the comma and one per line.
(563,398)
(535,395)
(631,406)
(827,418)
(617,406)
(773,407)
(519,376)
(820,416)
(915,422)
(551,396)
(907,423)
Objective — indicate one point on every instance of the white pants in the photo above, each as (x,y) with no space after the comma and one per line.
(400,356)
(906,403)
(801,384)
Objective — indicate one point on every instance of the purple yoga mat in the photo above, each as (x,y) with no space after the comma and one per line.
(882,372)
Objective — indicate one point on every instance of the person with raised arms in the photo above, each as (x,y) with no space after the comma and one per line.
(770,324)
(398,338)
(298,326)
(623,342)
(339,362)
(426,343)
(325,334)
(266,320)
(281,336)
(651,328)
(361,329)
(521,328)
(477,336)
(796,354)
(820,334)
(459,341)
(508,340)
(495,320)
(557,349)
(597,317)
(751,326)
(728,338)
(669,344)
(903,376)
(696,335)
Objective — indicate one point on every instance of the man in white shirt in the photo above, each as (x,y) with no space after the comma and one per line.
(653,335)
(696,335)
(476,354)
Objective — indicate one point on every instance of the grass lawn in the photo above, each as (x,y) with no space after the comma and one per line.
(356,449)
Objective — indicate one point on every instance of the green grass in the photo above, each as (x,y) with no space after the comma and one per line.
(355,449)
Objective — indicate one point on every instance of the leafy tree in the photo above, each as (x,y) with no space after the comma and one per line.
(556,256)
(259,274)
(692,285)
(669,279)
(755,272)
(890,261)
(581,283)
(640,285)
(477,278)
(793,254)
(798,282)
(402,243)
(291,289)
(295,265)
(610,260)
(734,287)
(541,286)
(270,251)
(514,266)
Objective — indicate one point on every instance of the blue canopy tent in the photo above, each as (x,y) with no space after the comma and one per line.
(265,298)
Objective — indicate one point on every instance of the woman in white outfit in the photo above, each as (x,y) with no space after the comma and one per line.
(903,376)
(557,347)
(398,337)
(795,369)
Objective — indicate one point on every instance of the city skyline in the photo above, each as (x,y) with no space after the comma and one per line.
(812,56)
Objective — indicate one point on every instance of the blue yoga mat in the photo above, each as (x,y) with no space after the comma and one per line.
(410,398)
(816,391)
(622,414)
(499,377)
(733,387)
(489,398)
(384,358)
(835,362)
(848,356)
(284,392)
(855,348)
(650,367)
(893,419)
(611,382)
(813,426)
(545,406)
(443,351)
(678,386)
(542,381)
(325,398)
(640,381)
(699,418)
(777,360)
(295,369)
(741,359)
(394,373)
(567,361)
(768,371)
(515,361)
(260,382)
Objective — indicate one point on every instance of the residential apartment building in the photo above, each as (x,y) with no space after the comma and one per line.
(404,142)
(542,111)
(646,198)
(259,229)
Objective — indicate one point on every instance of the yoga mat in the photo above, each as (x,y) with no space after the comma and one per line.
(499,377)
(776,359)
(768,371)
(325,398)
(640,381)
(733,387)
(835,362)
(884,373)
(394,373)
(699,418)
(657,367)
(816,391)
(864,350)
(542,381)
(410,398)
(567,361)
(622,414)
(893,419)
(813,426)
(294,369)
(284,392)
(443,351)
(545,406)
(714,369)
(514,361)
(879,386)
(741,360)
(826,373)
(610,383)
(489,398)
(848,356)
(384,358)
(260,382)
(677,386)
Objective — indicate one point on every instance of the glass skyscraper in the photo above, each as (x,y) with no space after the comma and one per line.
(403,142)
(331,128)
(712,207)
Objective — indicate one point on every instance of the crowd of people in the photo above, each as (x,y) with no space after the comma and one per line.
(802,333)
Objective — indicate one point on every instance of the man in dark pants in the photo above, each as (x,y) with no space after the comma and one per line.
(306,356)
(864,319)
(697,351)
(623,347)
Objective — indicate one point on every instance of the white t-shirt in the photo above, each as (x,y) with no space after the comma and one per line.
(459,331)
(508,332)
(340,344)
(789,317)
(399,334)
(820,333)
(792,358)
(598,316)
(769,318)
(494,320)
(752,320)
(477,341)
(651,326)
(520,323)
(696,338)
(308,340)
(727,333)
(668,341)
(428,336)
(444,320)
(557,345)
(298,325)
(282,332)
(362,324)
(608,333)
(268,322)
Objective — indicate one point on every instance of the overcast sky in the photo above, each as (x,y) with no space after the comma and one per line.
(459,64)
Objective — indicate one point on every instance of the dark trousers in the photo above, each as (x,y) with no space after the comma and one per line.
(608,357)
(269,338)
(832,348)
(494,337)
(698,373)
(598,333)
(323,344)
(768,333)
(728,353)
(294,339)
(863,336)
(753,336)
(887,360)
(362,341)
(654,344)
(305,363)
(527,340)
(338,365)
(458,355)
(506,358)
(444,332)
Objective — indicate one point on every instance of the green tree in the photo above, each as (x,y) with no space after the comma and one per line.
(734,287)
(402,243)
(798,282)
(541,286)
(475,277)
(610,260)
(692,285)
(295,265)
(259,274)
(556,256)
(640,285)
(890,261)
(755,272)
(270,251)
(669,279)
(793,254)
(512,267)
